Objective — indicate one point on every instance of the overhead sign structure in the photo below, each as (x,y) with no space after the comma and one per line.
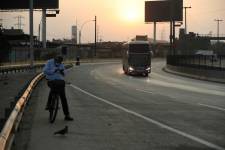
(164,11)
(24,4)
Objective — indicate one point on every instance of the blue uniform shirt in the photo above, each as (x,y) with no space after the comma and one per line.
(49,70)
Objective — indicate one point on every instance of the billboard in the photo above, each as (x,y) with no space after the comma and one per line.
(163,11)
(24,4)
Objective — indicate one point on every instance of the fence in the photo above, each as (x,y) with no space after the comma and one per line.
(21,55)
(203,62)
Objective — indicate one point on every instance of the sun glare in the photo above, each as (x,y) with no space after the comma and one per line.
(129,11)
(130,15)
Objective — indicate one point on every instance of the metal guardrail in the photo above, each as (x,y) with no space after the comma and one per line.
(209,62)
(18,68)
(11,125)
(22,68)
(211,35)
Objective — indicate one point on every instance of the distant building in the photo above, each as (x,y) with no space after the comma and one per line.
(74,34)
(16,37)
(12,32)
(188,44)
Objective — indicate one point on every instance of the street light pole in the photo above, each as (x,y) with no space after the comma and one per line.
(82,28)
(218,29)
(185,12)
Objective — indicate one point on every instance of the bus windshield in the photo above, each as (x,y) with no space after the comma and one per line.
(138,48)
(139,60)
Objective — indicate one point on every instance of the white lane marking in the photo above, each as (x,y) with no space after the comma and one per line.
(101,63)
(144,91)
(191,137)
(111,83)
(214,107)
(149,92)
(186,87)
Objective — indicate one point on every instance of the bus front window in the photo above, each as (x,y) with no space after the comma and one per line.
(139,48)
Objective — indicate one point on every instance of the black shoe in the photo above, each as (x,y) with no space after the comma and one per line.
(68,118)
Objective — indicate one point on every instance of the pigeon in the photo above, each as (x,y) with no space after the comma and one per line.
(62,132)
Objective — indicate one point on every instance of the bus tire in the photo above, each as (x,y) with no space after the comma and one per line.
(124,70)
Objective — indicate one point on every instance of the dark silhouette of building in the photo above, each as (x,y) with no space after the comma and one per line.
(188,44)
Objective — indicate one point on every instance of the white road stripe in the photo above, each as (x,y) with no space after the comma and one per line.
(100,63)
(186,87)
(191,137)
(214,107)
(149,92)
(144,91)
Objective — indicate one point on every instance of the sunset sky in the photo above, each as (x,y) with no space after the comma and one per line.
(120,20)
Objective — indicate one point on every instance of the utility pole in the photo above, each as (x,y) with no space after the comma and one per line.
(31,34)
(19,22)
(185,12)
(1,24)
(154,31)
(163,34)
(43,28)
(95,35)
(39,32)
(218,29)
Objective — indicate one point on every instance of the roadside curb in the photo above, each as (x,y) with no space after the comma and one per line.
(204,78)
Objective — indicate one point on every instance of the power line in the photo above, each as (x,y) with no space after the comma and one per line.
(211,11)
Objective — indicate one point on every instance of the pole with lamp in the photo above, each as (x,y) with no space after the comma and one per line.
(80,31)
(185,13)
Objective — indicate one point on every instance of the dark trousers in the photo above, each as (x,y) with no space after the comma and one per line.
(59,87)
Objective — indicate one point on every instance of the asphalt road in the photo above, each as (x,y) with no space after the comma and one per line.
(113,111)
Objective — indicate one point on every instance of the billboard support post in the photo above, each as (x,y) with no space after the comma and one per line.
(44,28)
(31,34)
(171,23)
(185,13)
(154,32)
(174,38)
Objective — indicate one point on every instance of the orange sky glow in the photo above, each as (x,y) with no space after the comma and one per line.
(120,20)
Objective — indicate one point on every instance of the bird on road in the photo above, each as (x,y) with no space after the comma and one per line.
(62,132)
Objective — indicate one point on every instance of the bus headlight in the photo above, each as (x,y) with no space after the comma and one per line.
(131,69)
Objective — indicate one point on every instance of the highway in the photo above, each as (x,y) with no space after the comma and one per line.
(113,111)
